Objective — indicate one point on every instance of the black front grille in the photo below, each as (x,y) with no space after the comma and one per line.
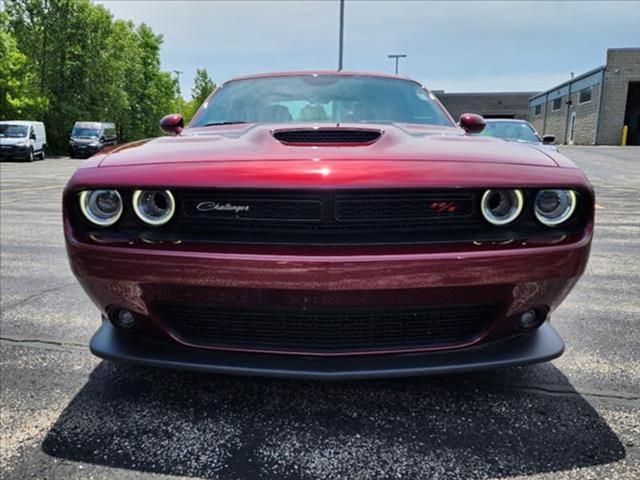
(325,217)
(327,136)
(421,207)
(326,331)
(243,209)
(11,148)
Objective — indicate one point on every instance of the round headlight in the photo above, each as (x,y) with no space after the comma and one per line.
(500,207)
(101,207)
(155,207)
(553,207)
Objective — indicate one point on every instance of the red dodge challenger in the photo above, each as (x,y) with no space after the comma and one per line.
(327,225)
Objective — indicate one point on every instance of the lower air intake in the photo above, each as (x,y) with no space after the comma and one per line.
(325,332)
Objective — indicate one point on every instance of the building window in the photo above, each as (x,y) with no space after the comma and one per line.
(585,95)
(557,104)
(537,109)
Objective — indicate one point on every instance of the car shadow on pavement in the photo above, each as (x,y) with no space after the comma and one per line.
(492,424)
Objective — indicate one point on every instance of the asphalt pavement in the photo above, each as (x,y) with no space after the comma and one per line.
(65,414)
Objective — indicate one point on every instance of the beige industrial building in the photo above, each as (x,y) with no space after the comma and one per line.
(590,109)
(489,105)
(594,108)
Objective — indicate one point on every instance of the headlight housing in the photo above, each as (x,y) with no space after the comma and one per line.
(500,207)
(553,207)
(154,207)
(101,207)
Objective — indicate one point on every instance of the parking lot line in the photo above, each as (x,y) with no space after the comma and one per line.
(30,189)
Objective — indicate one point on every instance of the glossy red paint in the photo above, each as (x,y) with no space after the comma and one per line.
(341,73)
(173,124)
(516,276)
(471,123)
(255,143)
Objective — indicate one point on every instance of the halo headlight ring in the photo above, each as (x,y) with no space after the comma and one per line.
(515,210)
(90,209)
(167,196)
(563,216)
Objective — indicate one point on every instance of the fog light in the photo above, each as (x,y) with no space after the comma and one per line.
(124,319)
(530,319)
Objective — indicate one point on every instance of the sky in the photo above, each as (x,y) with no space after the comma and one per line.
(453,46)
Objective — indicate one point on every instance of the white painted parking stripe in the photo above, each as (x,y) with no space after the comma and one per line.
(31,189)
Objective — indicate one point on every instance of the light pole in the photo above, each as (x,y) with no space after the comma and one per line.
(178,73)
(397,57)
(341,41)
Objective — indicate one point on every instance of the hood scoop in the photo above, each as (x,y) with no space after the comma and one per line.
(327,136)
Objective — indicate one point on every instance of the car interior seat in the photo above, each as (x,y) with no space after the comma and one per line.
(275,113)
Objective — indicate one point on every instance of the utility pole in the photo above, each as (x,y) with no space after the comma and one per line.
(397,57)
(341,41)
(178,73)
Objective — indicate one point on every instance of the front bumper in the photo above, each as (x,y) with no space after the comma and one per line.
(83,150)
(15,152)
(515,280)
(542,345)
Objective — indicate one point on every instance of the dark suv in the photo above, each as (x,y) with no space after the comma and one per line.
(88,138)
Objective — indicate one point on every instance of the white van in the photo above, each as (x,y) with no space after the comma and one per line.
(21,139)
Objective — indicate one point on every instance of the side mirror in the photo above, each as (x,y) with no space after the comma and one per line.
(549,139)
(172,124)
(471,123)
(32,136)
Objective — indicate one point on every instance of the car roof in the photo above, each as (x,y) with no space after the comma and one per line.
(94,124)
(24,123)
(510,120)
(341,73)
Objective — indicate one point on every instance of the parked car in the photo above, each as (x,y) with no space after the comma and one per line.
(513,130)
(22,139)
(327,225)
(88,138)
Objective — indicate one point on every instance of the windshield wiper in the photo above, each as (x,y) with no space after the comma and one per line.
(230,122)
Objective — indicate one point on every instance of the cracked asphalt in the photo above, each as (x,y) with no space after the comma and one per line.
(68,415)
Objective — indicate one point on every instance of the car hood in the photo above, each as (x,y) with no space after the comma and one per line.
(255,142)
(12,140)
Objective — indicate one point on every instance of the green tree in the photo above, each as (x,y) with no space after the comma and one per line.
(187,108)
(203,85)
(18,97)
(88,66)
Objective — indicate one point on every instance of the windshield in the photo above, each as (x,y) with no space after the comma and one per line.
(79,132)
(512,131)
(322,99)
(16,131)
